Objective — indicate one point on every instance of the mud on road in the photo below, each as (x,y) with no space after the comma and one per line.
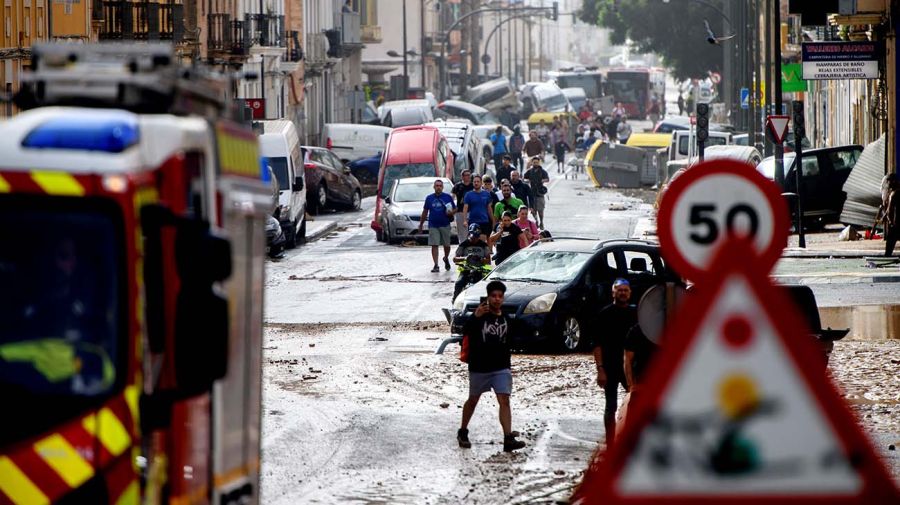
(366,413)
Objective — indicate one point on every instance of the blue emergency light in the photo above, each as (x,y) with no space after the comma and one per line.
(106,131)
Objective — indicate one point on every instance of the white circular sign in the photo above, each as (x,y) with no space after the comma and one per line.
(714,201)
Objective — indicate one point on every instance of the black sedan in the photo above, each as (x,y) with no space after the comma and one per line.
(554,287)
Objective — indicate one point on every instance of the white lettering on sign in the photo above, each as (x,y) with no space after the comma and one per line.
(823,70)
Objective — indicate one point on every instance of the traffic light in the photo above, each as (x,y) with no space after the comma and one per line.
(799,124)
(702,127)
(554,15)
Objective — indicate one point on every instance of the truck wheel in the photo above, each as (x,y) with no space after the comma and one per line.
(572,334)
(300,236)
(290,236)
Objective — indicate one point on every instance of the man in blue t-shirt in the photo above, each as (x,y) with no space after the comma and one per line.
(498,140)
(478,207)
(439,208)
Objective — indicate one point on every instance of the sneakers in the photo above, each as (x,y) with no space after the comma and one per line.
(435,269)
(446,264)
(462,436)
(511,444)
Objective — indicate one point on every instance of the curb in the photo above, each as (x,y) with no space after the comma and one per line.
(836,279)
(826,254)
(321,232)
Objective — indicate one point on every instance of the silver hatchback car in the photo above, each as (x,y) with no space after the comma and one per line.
(403,208)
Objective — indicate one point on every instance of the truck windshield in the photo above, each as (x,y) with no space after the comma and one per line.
(394,172)
(61,298)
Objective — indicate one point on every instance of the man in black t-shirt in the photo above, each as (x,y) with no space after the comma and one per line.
(508,238)
(613,324)
(459,191)
(488,332)
(537,178)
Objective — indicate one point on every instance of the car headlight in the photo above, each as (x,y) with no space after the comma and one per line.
(540,304)
(460,302)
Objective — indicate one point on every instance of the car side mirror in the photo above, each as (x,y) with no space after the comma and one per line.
(298,183)
(346,170)
(387,199)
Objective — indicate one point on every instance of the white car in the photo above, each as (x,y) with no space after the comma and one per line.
(484,133)
(403,208)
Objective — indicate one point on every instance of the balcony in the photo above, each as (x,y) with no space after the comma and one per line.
(293,55)
(370,34)
(350,33)
(225,37)
(123,20)
(264,34)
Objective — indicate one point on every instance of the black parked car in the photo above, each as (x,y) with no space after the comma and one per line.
(554,287)
(823,174)
(328,180)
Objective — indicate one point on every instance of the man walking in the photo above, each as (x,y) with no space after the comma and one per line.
(477,207)
(438,209)
(537,178)
(534,147)
(516,145)
(509,203)
(498,140)
(459,192)
(520,188)
(623,130)
(489,332)
(613,324)
(505,168)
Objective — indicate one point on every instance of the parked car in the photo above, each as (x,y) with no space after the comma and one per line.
(494,95)
(408,111)
(366,169)
(675,123)
(369,114)
(329,180)
(680,146)
(822,176)
(474,113)
(354,141)
(468,152)
(555,287)
(576,97)
(484,133)
(543,97)
(412,151)
(403,208)
(279,145)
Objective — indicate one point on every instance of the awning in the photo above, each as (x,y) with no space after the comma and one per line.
(863,186)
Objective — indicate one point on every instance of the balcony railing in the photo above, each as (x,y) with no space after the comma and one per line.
(265,30)
(350,32)
(124,20)
(225,35)
(294,52)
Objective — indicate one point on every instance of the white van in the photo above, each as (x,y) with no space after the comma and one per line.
(279,144)
(351,142)
(680,148)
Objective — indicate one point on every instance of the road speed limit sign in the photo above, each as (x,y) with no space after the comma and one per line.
(714,201)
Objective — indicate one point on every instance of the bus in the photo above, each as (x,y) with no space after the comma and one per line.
(635,88)
(589,79)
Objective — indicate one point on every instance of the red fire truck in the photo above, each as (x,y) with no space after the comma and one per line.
(132,208)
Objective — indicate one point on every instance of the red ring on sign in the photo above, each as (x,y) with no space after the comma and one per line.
(764,260)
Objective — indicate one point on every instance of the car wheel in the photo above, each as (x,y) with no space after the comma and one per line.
(290,237)
(379,236)
(321,196)
(356,202)
(388,236)
(572,334)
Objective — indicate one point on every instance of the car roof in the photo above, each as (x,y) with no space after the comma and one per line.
(471,107)
(818,150)
(418,180)
(578,244)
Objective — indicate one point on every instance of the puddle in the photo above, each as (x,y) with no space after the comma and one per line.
(866,322)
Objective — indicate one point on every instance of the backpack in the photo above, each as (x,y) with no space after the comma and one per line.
(464,349)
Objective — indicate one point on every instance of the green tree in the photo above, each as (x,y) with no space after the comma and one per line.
(674,30)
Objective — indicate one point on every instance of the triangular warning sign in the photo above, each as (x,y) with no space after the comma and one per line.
(778,125)
(738,408)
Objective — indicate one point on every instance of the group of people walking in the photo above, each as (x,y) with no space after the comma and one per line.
(621,354)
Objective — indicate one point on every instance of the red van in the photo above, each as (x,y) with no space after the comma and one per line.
(411,151)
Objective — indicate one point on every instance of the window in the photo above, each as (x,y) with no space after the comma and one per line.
(639,262)
(809,166)
(442,159)
(844,160)
(279,165)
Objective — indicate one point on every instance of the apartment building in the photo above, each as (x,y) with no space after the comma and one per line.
(24,23)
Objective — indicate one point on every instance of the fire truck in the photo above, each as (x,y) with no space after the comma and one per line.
(132,207)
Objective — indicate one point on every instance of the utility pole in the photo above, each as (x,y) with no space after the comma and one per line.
(776,73)
(509,48)
(767,64)
(405,71)
(422,50)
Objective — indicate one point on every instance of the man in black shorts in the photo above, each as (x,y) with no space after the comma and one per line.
(613,324)
(489,332)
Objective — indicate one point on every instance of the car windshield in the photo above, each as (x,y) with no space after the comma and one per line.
(485,117)
(767,166)
(710,141)
(413,191)
(394,172)
(280,168)
(61,298)
(542,266)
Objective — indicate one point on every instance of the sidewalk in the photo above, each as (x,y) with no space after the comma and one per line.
(318,227)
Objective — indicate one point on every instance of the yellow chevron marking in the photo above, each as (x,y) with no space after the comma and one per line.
(131,398)
(58,183)
(4,186)
(131,495)
(18,487)
(57,452)
(112,433)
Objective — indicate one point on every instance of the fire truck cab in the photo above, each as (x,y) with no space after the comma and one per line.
(132,207)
